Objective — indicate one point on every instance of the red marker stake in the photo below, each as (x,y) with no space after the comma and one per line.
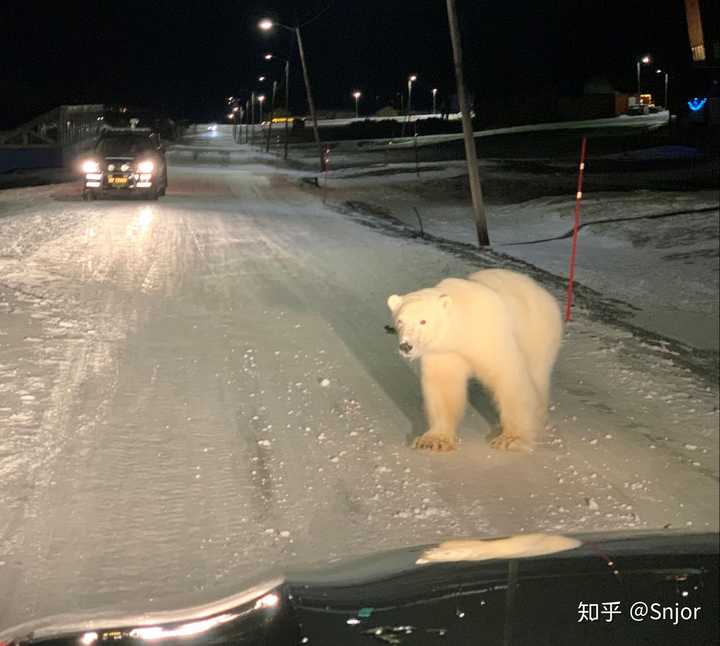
(576,226)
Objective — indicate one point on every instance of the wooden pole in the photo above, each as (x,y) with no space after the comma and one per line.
(247,121)
(252,118)
(415,146)
(272,113)
(287,86)
(287,135)
(470,152)
(311,104)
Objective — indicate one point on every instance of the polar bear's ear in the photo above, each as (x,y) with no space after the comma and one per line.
(445,301)
(394,302)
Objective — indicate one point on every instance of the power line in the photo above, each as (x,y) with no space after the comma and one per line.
(323,11)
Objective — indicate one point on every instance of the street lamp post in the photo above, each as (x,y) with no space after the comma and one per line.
(665,102)
(269,57)
(272,114)
(667,106)
(252,118)
(646,61)
(434,93)
(356,96)
(268,24)
(261,100)
(411,80)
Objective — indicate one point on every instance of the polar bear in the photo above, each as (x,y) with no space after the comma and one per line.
(498,326)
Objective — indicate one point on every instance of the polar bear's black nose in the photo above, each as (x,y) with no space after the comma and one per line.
(405,347)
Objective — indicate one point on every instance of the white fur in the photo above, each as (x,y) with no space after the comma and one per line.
(498,326)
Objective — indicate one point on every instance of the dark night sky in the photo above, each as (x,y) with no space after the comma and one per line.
(185,55)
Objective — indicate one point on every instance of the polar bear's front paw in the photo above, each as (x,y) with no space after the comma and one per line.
(435,441)
(505,442)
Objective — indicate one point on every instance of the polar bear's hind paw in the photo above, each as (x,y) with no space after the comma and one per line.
(505,442)
(435,442)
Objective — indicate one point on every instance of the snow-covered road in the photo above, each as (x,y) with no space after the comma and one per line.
(196,390)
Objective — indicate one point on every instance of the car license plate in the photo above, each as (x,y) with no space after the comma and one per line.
(118,181)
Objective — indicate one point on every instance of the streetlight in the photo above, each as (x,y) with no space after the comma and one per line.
(272,115)
(411,80)
(261,78)
(252,117)
(665,103)
(269,57)
(266,24)
(356,96)
(434,93)
(261,100)
(645,60)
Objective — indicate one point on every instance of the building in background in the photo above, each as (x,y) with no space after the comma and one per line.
(703,22)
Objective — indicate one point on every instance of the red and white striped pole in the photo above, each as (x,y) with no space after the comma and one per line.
(576,226)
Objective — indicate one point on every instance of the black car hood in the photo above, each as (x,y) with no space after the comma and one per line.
(128,158)
(497,592)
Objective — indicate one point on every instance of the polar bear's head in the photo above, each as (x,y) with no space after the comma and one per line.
(421,321)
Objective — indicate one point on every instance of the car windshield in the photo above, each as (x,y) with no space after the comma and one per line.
(124,145)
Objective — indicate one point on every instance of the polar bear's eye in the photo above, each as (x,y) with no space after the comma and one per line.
(423,322)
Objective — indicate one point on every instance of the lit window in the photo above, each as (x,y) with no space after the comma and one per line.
(698,53)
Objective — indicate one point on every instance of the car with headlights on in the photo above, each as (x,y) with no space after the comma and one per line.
(127,160)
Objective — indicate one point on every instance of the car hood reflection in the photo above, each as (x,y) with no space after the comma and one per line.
(518,590)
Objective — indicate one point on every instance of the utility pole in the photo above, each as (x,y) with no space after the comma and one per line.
(252,118)
(409,106)
(287,86)
(470,152)
(311,104)
(272,113)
